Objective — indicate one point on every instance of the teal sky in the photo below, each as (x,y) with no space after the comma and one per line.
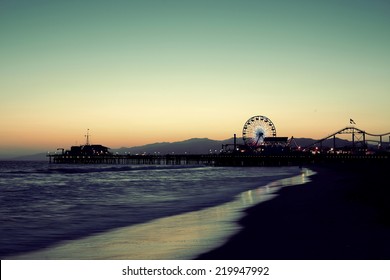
(138,72)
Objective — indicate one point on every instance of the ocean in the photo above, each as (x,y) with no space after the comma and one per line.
(44,206)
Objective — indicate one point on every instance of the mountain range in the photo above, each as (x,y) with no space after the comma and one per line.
(192,146)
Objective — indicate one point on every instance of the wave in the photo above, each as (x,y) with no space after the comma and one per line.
(118,168)
(98,169)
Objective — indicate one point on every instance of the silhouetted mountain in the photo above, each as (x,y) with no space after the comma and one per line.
(194,146)
(190,146)
(205,146)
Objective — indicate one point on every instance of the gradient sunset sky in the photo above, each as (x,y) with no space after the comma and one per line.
(142,71)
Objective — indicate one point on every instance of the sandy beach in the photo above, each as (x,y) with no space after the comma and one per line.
(343,213)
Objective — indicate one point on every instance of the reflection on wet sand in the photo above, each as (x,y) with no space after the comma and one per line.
(177,237)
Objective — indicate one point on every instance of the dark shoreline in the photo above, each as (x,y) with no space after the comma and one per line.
(343,213)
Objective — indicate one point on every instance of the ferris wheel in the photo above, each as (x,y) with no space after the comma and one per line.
(256,129)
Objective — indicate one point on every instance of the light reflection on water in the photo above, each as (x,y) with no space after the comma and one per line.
(176,237)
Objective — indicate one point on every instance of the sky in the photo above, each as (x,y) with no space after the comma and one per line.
(136,72)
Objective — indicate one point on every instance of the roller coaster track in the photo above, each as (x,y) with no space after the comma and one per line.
(356,132)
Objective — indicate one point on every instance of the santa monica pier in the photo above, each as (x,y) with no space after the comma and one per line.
(260,146)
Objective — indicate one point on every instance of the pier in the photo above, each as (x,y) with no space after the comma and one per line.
(261,148)
(297,159)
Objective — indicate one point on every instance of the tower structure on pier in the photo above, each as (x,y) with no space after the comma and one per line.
(87,138)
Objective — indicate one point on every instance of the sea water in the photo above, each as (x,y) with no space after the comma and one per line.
(45,205)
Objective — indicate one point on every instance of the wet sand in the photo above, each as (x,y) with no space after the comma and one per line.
(343,213)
